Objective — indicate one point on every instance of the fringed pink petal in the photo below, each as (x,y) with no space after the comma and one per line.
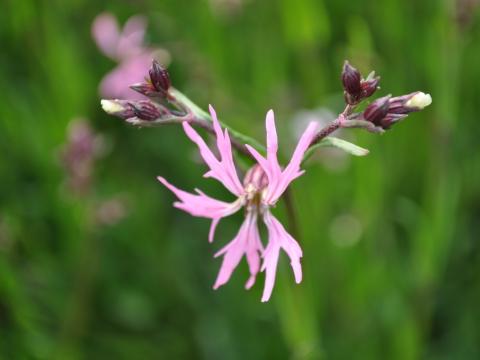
(216,126)
(302,146)
(224,147)
(205,151)
(260,160)
(279,180)
(232,254)
(292,171)
(132,37)
(213,227)
(254,250)
(247,241)
(106,34)
(200,204)
(222,170)
(272,138)
(270,262)
(116,83)
(279,238)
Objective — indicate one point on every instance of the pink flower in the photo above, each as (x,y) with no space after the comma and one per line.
(262,186)
(125,46)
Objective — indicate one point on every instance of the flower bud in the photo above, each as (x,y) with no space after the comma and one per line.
(124,109)
(391,119)
(405,104)
(120,108)
(419,101)
(351,79)
(356,88)
(369,86)
(144,88)
(377,110)
(159,77)
(145,110)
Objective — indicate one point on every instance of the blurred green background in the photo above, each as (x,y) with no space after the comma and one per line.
(392,259)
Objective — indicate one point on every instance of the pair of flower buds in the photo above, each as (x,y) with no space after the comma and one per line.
(382,113)
(385,111)
(155,87)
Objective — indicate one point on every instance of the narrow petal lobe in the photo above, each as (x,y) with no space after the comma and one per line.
(200,204)
(279,238)
(246,242)
(222,170)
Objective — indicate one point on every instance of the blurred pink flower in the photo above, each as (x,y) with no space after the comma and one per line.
(126,47)
(78,156)
(262,186)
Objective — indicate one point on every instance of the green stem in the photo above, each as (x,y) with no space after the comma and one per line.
(202,115)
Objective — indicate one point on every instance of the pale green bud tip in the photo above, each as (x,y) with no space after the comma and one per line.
(419,101)
(111,106)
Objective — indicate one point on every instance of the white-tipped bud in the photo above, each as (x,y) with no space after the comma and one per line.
(111,106)
(419,101)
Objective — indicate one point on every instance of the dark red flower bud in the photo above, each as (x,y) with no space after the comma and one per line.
(391,119)
(144,88)
(377,110)
(351,80)
(159,77)
(120,108)
(405,104)
(356,88)
(369,86)
(145,110)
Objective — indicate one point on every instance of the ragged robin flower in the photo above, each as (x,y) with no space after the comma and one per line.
(126,46)
(262,187)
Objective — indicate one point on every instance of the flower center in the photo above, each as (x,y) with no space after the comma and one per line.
(255,182)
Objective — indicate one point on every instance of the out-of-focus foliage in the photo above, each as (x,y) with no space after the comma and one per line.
(391,240)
